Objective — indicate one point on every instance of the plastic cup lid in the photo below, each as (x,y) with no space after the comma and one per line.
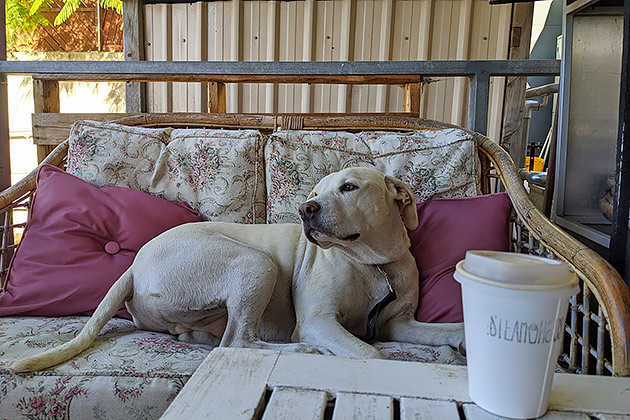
(517,269)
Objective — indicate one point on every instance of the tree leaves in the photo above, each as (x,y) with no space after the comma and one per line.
(24,16)
(19,18)
(113,4)
(69,7)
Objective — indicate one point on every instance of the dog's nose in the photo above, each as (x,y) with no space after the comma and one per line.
(308,209)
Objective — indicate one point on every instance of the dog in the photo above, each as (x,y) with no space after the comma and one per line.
(345,273)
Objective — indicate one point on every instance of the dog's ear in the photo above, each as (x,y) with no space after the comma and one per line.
(405,200)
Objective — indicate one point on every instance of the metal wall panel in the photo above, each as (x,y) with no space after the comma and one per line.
(591,140)
(329,30)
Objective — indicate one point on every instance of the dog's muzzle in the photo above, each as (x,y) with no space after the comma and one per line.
(310,223)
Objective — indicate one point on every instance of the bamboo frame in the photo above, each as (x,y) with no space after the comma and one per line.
(602,307)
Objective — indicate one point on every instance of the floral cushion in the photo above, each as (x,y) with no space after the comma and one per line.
(128,373)
(435,163)
(105,154)
(218,172)
(132,374)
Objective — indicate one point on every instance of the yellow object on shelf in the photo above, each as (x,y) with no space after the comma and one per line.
(539,164)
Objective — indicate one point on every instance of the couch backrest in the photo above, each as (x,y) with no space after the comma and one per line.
(245,176)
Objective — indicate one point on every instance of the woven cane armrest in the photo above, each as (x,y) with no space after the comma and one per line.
(597,339)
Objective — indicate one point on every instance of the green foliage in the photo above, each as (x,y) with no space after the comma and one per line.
(71,6)
(113,4)
(37,4)
(26,15)
(19,18)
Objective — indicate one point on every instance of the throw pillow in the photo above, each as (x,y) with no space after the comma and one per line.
(447,229)
(218,172)
(78,241)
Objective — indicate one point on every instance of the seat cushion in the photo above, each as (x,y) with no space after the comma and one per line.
(127,373)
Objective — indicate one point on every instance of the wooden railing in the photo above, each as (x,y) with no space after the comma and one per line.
(214,76)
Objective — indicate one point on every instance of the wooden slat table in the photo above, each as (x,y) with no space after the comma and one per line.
(247,384)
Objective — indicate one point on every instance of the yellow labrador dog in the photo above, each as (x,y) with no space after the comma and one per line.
(345,273)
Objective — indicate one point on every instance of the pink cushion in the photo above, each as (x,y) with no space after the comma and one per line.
(79,240)
(448,228)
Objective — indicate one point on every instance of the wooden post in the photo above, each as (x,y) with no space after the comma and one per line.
(46,99)
(216,97)
(514,98)
(133,36)
(46,96)
(5,161)
(412,98)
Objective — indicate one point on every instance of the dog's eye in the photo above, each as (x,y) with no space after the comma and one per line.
(348,187)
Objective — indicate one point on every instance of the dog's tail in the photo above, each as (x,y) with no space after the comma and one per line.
(121,291)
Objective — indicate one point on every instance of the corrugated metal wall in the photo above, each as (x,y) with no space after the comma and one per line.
(328,30)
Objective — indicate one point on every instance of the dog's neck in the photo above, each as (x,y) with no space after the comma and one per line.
(372,328)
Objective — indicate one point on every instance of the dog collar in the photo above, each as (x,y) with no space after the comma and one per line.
(372,319)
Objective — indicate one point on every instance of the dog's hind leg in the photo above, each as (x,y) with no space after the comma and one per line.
(246,304)
(199,337)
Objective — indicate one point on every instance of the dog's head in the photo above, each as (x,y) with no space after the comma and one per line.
(362,211)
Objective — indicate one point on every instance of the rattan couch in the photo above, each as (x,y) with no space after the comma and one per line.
(597,339)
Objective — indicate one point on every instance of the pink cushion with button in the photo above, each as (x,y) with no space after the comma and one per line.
(79,240)
(447,229)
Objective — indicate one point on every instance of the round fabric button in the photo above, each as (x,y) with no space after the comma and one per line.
(112,247)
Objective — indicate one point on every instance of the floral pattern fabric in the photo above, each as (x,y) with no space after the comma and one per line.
(217,172)
(435,163)
(106,154)
(127,373)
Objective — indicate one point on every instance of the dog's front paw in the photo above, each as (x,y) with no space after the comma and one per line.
(307,348)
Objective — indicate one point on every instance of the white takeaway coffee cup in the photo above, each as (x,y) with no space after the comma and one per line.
(514,311)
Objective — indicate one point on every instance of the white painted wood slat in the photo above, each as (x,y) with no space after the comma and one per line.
(237,378)
(363,406)
(291,404)
(591,394)
(420,409)
(385,377)
(474,412)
